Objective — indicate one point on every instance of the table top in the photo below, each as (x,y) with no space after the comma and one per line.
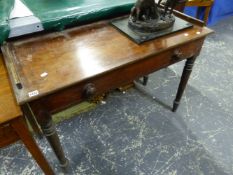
(54,61)
(8,106)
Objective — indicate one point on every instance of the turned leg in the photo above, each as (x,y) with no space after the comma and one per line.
(145,80)
(31,119)
(22,131)
(50,132)
(44,118)
(183,82)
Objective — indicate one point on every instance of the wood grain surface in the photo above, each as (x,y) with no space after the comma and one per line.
(8,106)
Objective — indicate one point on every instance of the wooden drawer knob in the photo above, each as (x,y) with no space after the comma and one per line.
(178,55)
(89,90)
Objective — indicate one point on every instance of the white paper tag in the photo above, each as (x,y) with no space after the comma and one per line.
(33,93)
(44,74)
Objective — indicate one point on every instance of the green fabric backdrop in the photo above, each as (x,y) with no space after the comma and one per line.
(57,14)
(5,9)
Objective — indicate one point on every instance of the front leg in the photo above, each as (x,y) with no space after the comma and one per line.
(44,119)
(183,82)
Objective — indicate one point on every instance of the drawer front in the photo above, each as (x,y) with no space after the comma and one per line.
(118,77)
(187,51)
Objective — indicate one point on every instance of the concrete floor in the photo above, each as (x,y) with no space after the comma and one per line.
(136,133)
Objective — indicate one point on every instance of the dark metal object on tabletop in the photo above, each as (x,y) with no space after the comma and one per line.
(147,16)
(149,20)
(140,37)
(169,4)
